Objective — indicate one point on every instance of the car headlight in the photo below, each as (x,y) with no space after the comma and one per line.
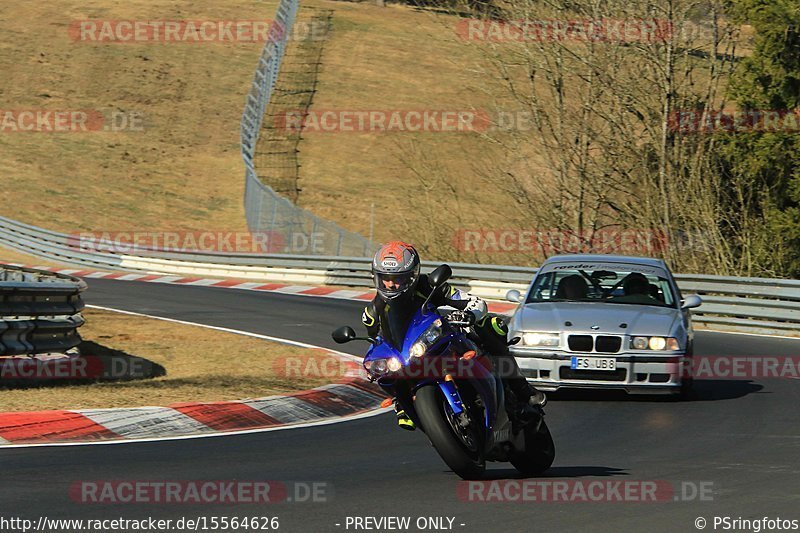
(640,343)
(673,344)
(427,339)
(532,338)
(655,343)
(381,367)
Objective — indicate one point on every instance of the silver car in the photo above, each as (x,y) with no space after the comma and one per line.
(604,321)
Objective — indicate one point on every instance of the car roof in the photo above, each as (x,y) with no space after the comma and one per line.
(607,258)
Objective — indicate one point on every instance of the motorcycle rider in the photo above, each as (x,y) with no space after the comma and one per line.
(402,289)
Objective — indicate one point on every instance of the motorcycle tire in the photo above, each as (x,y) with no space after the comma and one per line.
(430,406)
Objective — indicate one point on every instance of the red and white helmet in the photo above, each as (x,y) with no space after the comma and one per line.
(395,269)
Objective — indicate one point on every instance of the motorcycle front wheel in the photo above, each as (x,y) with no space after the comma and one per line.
(460,448)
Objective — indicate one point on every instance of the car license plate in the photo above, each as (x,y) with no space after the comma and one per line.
(594,363)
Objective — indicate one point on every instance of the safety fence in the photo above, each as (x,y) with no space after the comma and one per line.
(266,211)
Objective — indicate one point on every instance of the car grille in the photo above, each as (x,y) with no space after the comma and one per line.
(580,343)
(607,344)
(602,344)
(591,375)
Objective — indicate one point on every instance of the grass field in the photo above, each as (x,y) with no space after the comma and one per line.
(201,365)
(184,170)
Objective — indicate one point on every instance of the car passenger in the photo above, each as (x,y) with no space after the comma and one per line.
(573,287)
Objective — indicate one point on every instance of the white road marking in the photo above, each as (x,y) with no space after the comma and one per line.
(229,330)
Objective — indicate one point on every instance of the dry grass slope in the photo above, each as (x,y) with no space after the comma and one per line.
(184,170)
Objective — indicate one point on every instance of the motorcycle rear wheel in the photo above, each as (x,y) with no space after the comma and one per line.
(430,407)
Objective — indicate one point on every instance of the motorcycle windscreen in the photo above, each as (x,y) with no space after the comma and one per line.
(395,319)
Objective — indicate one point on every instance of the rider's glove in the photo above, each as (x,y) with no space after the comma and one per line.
(462,318)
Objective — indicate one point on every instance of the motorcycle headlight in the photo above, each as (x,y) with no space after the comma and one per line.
(533,338)
(380,367)
(417,349)
(393,364)
(427,339)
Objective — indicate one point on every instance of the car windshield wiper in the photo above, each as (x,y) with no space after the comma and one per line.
(656,304)
(561,300)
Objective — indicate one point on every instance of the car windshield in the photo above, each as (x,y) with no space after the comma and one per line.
(623,286)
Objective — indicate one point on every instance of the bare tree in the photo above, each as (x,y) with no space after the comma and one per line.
(605,88)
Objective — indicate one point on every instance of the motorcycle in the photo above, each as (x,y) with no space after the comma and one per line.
(450,389)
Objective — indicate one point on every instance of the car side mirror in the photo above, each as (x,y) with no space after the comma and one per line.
(691,302)
(343,334)
(513,296)
(440,275)
(514,341)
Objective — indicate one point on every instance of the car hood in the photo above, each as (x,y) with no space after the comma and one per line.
(641,319)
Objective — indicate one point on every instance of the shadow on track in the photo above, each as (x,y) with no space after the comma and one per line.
(554,472)
(703,391)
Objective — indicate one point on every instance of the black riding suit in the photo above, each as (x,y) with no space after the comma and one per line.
(491,331)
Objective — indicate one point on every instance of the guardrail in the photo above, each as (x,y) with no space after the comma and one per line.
(751,304)
(39,311)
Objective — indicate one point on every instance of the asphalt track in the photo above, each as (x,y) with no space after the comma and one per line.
(742,436)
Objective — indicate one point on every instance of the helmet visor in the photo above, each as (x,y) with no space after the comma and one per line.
(394,284)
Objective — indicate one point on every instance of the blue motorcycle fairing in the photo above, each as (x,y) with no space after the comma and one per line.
(452,396)
(484,382)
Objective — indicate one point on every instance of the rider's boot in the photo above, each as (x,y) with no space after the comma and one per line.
(403,420)
(538,398)
(529,400)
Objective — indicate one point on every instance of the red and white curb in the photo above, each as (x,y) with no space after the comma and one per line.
(324,404)
(299,290)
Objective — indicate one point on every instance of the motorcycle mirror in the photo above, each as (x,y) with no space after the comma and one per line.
(440,275)
(437,278)
(514,341)
(343,334)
